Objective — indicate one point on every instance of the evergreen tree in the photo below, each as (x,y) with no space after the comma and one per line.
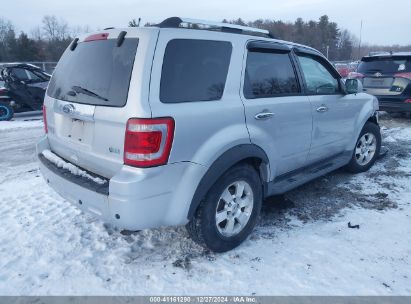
(26,49)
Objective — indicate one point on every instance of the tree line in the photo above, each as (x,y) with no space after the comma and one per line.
(323,35)
(48,41)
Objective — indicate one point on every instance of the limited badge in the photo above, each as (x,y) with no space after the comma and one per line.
(114,150)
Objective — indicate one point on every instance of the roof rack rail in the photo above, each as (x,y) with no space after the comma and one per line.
(175,22)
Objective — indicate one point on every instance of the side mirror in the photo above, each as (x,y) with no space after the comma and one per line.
(353,86)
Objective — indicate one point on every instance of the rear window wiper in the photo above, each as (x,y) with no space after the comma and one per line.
(80,90)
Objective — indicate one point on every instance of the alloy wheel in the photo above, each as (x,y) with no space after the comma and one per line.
(365,149)
(234,208)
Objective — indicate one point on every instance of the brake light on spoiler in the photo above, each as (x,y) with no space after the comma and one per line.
(94,37)
(148,141)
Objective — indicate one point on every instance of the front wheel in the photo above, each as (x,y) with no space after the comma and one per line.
(229,211)
(6,112)
(366,150)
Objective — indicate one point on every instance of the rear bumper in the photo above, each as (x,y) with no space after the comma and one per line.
(393,104)
(132,199)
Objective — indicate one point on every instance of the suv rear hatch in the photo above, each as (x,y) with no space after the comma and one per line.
(86,104)
(385,75)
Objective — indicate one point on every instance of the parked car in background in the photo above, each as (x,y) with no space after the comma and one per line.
(353,65)
(375,53)
(6,111)
(164,126)
(388,77)
(23,87)
(343,69)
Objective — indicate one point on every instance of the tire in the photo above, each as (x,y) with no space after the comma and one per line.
(366,150)
(203,228)
(6,112)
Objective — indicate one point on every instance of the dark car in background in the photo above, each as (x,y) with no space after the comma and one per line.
(22,88)
(388,77)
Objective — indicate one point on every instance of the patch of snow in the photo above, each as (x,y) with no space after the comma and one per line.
(391,135)
(19,124)
(389,139)
(48,247)
(59,162)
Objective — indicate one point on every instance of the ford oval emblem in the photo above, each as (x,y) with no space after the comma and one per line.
(68,108)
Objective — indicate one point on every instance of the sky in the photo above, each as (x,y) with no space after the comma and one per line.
(384,22)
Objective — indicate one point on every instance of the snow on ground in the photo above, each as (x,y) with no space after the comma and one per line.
(19,124)
(301,247)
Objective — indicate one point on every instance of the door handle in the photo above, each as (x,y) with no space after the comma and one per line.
(322,109)
(264,115)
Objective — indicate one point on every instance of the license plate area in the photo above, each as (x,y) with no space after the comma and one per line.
(385,82)
(76,131)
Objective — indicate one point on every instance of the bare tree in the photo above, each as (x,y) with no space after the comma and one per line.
(54,29)
(36,33)
(79,29)
(5,27)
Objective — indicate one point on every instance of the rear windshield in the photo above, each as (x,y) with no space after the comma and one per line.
(391,65)
(96,73)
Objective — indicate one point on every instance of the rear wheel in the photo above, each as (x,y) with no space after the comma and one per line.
(229,211)
(366,149)
(6,112)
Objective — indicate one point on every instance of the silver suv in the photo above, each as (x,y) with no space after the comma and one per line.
(195,123)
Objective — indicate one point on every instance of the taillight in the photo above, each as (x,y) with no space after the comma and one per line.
(403,75)
(3,90)
(355,75)
(148,141)
(407,101)
(45,119)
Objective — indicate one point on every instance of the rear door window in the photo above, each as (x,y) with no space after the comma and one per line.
(96,73)
(194,70)
(269,74)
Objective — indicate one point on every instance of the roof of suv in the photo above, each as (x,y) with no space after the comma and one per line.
(387,55)
(194,24)
(178,23)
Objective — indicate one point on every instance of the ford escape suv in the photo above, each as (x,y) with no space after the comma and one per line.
(388,77)
(194,123)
